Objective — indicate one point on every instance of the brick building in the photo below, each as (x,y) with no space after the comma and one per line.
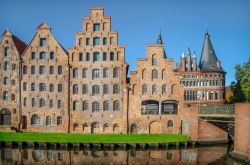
(88,91)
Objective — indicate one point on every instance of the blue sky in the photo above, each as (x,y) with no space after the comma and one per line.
(182,22)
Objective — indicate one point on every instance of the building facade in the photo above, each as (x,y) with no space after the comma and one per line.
(46,89)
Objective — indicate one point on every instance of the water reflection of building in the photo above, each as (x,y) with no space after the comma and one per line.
(182,156)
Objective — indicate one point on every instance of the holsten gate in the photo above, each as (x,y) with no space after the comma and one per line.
(86,89)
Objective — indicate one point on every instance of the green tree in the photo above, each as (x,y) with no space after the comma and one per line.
(242,87)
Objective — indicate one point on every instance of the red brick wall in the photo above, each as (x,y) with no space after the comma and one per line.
(242,128)
(207,131)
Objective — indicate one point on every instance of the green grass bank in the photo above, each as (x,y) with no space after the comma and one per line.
(91,138)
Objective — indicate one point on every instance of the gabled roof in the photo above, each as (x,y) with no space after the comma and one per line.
(209,61)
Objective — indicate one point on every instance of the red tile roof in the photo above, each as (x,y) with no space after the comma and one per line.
(20,45)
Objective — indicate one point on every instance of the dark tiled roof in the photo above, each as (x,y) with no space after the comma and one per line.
(209,61)
(20,45)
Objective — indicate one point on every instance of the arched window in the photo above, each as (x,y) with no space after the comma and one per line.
(84,126)
(33,70)
(87,57)
(59,104)
(111,57)
(170,124)
(95,107)
(116,89)
(59,87)
(33,55)
(33,86)
(116,127)
(13,66)
(33,102)
(75,126)
(105,72)
(59,120)
(116,72)
(95,73)
(85,73)
(104,26)
(85,89)
(154,74)
(13,97)
(6,67)
(51,87)
(163,74)
(59,71)
(143,74)
(25,86)
(51,70)
(154,61)
(154,88)
(51,103)
(85,106)
(5,95)
(6,51)
(111,40)
(72,57)
(95,90)
(96,41)
(42,87)
(105,89)
(75,89)
(164,89)
(5,80)
(42,102)
(35,120)
(48,120)
(96,56)
(80,57)
(116,105)
(144,89)
(106,105)
(173,89)
(42,70)
(75,105)
(75,73)
(105,126)
(42,56)
(104,41)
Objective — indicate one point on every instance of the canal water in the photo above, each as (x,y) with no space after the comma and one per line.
(201,155)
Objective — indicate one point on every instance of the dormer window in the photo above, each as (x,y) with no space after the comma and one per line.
(96,27)
(42,41)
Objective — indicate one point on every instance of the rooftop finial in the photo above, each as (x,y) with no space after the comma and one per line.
(189,52)
(206,29)
(159,40)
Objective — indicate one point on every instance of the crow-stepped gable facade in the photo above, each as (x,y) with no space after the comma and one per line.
(44,88)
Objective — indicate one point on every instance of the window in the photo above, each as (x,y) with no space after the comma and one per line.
(6,51)
(75,73)
(95,73)
(105,72)
(154,74)
(52,55)
(33,86)
(75,105)
(42,103)
(35,120)
(51,70)
(5,95)
(59,104)
(13,82)
(51,87)
(85,89)
(42,41)
(154,62)
(87,41)
(169,107)
(6,66)
(33,102)
(80,57)
(5,80)
(59,120)
(42,87)
(13,97)
(170,123)
(116,105)
(33,55)
(33,70)
(143,74)
(116,89)
(164,89)
(24,69)
(42,70)
(59,88)
(96,27)
(87,57)
(85,106)
(111,56)
(51,103)
(106,105)
(105,89)
(24,86)
(59,70)
(24,101)
(75,89)
(80,41)
(144,88)
(42,56)
(96,56)
(163,74)
(48,120)
(116,72)
(13,66)
(95,89)
(104,41)
(154,88)
(104,57)
(96,41)
(150,107)
(111,40)
(95,106)
(85,73)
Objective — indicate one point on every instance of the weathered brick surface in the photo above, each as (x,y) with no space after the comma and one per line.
(242,129)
